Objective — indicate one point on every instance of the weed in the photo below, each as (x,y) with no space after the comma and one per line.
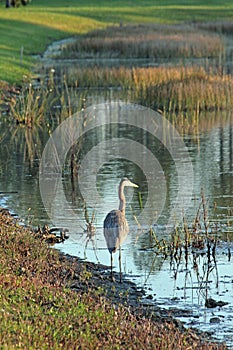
(28,109)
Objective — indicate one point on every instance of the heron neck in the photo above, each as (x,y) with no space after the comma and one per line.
(122,199)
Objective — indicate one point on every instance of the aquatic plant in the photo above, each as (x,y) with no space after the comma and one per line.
(200,236)
(175,90)
(90,223)
(150,41)
(191,251)
(176,83)
(220,27)
(29,107)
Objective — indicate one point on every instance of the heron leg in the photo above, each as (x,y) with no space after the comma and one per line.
(111,267)
(120,264)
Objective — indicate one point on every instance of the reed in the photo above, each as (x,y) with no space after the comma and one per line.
(198,237)
(221,27)
(151,41)
(171,89)
(46,103)
(184,95)
(28,108)
(183,82)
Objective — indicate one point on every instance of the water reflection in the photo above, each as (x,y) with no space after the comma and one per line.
(213,170)
(211,158)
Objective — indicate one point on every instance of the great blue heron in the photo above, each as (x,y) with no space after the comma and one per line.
(115,224)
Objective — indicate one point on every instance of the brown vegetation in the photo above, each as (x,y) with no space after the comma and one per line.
(146,41)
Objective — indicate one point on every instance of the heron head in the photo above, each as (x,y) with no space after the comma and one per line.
(126,182)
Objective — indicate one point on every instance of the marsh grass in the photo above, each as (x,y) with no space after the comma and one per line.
(149,41)
(46,103)
(198,238)
(39,311)
(179,89)
(191,250)
(182,94)
(185,82)
(189,89)
(220,27)
(30,106)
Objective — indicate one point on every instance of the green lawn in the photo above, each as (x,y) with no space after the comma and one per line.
(35,26)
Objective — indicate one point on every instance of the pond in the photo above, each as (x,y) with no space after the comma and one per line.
(174,172)
(172,284)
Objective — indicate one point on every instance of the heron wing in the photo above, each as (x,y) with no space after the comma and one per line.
(115,230)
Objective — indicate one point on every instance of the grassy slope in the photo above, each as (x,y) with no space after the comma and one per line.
(38,311)
(35,26)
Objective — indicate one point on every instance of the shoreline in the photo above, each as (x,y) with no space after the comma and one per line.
(130,296)
(127,293)
(82,279)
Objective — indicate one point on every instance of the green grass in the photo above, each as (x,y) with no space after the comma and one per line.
(35,26)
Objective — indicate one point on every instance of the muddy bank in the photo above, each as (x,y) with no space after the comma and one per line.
(91,279)
(126,293)
(84,276)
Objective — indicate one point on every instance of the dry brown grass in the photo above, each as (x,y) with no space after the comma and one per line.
(171,89)
(174,87)
(221,27)
(146,41)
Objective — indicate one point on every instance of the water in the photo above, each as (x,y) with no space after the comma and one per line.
(183,285)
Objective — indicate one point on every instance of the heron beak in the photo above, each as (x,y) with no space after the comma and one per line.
(134,185)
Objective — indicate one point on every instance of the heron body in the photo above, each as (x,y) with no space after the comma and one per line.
(115,224)
(115,230)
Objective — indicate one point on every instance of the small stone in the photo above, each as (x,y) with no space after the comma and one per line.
(215,320)
(149,297)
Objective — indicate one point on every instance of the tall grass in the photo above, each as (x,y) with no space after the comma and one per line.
(189,89)
(180,93)
(146,41)
(221,27)
(185,81)
(171,89)
(30,106)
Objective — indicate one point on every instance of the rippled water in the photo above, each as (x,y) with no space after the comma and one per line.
(173,285)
